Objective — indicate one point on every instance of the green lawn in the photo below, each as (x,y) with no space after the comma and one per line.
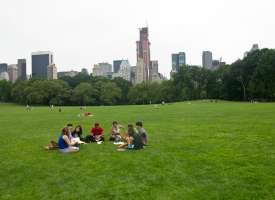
(200,150)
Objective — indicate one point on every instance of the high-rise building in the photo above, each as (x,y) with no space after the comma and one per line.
(140,71)
(51,72)
(40,62)
(116,65)
(13,72)
(22,69)
(207,59)
(178,60)
(124,71)
(182,59)
(143,52)
(102,69)
(3,67)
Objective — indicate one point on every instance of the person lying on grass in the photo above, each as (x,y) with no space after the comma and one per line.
(97,134)
(115,132)
(132,139)
(142,132)
(65,144)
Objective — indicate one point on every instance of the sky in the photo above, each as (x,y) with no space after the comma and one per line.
(82,33)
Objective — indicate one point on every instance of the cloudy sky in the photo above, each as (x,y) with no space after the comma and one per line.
(84,32)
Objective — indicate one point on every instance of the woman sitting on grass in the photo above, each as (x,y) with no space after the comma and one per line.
(64,143)
(128,138)
(77,133)
(115,132)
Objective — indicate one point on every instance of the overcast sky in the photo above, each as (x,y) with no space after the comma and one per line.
(84,32)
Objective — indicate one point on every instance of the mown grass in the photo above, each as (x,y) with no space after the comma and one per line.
(200,150)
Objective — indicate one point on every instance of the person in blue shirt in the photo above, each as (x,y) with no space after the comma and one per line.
(64,143)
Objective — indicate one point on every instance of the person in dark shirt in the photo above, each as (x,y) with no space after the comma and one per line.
(142,133)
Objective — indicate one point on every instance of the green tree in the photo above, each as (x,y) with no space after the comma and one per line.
(84,94)
(110,94)
(5,91)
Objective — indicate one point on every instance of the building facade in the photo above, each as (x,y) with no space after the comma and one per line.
(143,53)
(133,74)
(4,76)
(22,69)
(102,69)
(13,73)
(116,65)
(140,72)
(178,60)
(40,62)
(124,71)
(3,67)
(52,72)
(207,59)
(154,72)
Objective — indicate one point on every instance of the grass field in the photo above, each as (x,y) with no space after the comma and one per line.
(200,150)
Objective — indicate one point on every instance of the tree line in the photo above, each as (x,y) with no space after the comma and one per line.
(250,78)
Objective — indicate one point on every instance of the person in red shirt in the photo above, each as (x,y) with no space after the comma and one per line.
(97,133)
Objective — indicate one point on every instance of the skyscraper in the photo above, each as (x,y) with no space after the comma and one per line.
(13,73)
(3,67)
(143,53)
(51,72)
(40,62)
(207,59)
(22,69)
(116,65)
(178,60)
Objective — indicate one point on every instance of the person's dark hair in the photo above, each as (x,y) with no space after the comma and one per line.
(65,131)
(96,124)
(80,130)
(139,124)
(69,124)
(131,130)
(114,122)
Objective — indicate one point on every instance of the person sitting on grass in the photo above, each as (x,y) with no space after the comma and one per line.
(77,133)
(70,128)
(128,138)
(64,143)
(142,132)
(115,132)
(97,134)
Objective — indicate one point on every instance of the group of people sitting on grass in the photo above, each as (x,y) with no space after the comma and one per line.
(71,138)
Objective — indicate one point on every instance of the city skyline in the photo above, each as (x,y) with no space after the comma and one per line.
(84,33)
